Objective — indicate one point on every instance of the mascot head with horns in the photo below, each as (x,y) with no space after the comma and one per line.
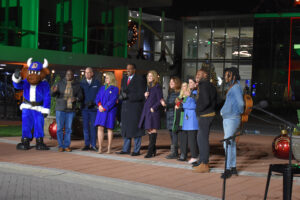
(35,72)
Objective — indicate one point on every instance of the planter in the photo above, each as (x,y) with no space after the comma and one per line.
(47,122)
(296,147)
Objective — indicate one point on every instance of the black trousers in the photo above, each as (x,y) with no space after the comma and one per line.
(188,138)
(174,138)
(203,138)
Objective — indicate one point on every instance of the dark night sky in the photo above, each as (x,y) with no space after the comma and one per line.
(182,8)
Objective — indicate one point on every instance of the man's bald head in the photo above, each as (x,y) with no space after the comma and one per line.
(89,73)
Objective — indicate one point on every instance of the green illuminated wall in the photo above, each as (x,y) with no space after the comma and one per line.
(80,24)
(120,31)
(65,12)
(30,20)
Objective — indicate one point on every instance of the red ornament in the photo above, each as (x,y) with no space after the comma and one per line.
(53,129)
(281,145)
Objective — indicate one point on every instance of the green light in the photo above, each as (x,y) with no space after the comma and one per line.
(208,42)
(12,3)
(296,46)
(276,15)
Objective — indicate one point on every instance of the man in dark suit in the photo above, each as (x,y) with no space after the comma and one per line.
(132,92)
(90,87)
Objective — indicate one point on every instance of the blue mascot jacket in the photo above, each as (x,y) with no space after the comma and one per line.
(39,93)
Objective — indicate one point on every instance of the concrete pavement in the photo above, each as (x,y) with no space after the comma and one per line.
(119,174)
(34,183)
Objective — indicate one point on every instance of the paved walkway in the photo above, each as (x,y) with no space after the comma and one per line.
(28,182)
(115,176)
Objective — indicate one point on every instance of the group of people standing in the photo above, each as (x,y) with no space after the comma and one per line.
(190,109)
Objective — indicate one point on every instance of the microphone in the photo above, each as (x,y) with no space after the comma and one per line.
(261,104)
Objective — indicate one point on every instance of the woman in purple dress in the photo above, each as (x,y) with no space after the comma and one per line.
(106,115)
(150,118)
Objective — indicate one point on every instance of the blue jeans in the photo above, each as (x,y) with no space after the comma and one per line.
(230,127)
(64,120)
(137,144)
(89,130)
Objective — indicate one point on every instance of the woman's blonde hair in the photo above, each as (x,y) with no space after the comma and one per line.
(112,78)
(155,78)
(181,94)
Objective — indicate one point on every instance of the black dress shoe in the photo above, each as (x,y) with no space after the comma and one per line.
(85,148)
(122,152)
(182,157)
(234,171)
(226,174)
(195,164)
(135,154)
(94,149)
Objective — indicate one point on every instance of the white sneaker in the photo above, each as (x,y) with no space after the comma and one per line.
(192,160)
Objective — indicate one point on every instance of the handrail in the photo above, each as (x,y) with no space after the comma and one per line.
(78,39)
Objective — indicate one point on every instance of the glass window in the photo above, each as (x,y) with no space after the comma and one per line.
(204,40)
(189,70)
(217,72)
(169,39)
(232,39)
(221,44)
(245,74)
(190,48)
(218,45)
(246,43)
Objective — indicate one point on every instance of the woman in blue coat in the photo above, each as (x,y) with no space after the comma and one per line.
(188,136)
(150,118)
(106,115)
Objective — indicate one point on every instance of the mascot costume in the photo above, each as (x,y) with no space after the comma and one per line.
(36,104)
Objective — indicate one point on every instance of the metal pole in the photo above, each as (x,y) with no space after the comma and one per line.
(6,20)
(197,58)
(162,30)
(211,43)
(140,28)
(85,24)
(224,182)
(224,59)
(239,44)
(61,25)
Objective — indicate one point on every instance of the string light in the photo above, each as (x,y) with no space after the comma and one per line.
(134,34)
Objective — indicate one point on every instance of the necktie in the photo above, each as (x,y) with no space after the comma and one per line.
(128,81)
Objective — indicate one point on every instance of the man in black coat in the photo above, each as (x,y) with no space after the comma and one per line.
(132,92)
(206,105)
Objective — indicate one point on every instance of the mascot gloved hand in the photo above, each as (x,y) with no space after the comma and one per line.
(36,104)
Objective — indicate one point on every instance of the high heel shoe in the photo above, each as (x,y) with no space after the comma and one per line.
(99,150)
